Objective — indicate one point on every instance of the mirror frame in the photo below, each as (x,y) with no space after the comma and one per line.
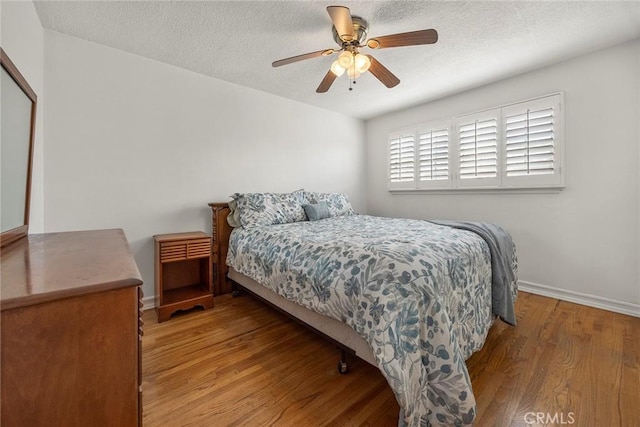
(16,233)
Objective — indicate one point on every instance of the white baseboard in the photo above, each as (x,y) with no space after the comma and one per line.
(616,306)
(148,303)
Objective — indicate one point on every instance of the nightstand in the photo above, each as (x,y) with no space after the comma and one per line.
(182,272)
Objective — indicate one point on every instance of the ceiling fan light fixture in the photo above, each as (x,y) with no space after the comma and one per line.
(353,73)
(362,63)
(345,59)
(337,69)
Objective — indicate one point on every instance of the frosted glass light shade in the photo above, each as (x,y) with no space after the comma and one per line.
(362,63)
(337,69)
(345,59)
(353,73)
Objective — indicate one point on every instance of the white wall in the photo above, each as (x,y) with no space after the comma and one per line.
(137,144)
(141,145)
(21,37)
(581,243)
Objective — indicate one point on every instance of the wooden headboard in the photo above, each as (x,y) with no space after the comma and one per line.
(220,231)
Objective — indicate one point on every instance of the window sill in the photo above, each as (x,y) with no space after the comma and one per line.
(485,190)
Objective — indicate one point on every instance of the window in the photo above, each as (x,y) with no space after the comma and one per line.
(419,157)
(532,143)
(433,155)
(478,149)
(401,160)
(513,146)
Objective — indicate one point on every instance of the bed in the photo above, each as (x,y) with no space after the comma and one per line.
(414,298)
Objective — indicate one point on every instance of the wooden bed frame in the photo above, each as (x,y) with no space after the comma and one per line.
(220,232)
(226,280)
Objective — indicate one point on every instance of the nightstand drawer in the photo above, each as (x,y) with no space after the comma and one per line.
(185,249)
(199,248)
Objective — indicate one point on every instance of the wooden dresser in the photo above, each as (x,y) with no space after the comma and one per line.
(71,331)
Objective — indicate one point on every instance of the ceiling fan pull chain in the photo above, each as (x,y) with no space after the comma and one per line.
(353,79)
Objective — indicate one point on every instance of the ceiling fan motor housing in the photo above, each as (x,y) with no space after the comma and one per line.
(360,26)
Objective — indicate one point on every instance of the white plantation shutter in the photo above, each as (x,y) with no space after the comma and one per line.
(478,149)
(532,143)
(402,160)
(433,155)
(529,138)
(513,146)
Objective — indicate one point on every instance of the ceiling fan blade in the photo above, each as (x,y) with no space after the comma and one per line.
(382,73)
(326,83)
(404,39)
(341,17)
(302,57)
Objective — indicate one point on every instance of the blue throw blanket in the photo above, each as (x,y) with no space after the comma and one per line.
(502,252)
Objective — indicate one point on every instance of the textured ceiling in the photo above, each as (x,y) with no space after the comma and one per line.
(479,41)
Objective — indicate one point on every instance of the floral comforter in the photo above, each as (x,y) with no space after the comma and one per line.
(419,293)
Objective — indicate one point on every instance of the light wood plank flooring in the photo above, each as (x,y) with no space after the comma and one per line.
(243,363)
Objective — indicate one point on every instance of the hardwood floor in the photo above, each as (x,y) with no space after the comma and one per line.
(243,363)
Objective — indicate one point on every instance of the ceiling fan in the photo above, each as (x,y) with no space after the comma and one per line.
(350,32)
